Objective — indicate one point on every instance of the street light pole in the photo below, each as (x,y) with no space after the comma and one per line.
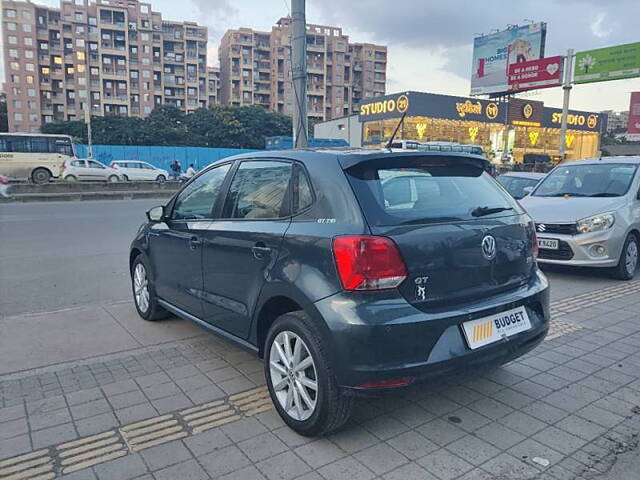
(568,70)
(299,73)
(87,105)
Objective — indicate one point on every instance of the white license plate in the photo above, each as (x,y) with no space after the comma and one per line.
(486,330)
(548,243)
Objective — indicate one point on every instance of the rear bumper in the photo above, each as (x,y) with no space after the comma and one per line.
(388,338)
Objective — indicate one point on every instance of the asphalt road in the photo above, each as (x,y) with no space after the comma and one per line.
(63,254)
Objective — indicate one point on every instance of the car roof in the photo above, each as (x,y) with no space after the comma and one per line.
(532,175)
(631,160)
(348,157)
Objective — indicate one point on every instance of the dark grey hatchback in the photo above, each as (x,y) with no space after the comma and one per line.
(348,272)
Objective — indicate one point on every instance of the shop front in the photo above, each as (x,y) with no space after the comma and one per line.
(516,128)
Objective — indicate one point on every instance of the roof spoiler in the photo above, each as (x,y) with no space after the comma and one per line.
(477,161)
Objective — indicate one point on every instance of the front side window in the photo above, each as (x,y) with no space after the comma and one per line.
(259,190)
(196,201)
(590,180)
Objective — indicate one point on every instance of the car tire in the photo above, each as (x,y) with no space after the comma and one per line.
(113,179)
(70,178)
(330,406)
(161,179)
(40,176)
(628,263)
(144,295)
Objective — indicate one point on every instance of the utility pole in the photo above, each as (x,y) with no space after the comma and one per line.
(299,73)
(87,105)
(568,71)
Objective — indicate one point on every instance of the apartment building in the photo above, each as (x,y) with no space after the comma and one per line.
(114,57)
(616,121)
(255,69)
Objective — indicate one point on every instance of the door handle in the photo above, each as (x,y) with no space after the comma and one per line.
(260,250)
(194,242)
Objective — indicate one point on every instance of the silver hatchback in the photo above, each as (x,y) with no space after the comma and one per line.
(587,213)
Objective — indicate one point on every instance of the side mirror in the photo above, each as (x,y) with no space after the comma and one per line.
(156,214)
(527,190)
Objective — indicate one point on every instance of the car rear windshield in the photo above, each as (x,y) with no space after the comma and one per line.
(588,180)
(397,191)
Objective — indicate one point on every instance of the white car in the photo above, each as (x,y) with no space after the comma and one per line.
(136,170)
(86,169)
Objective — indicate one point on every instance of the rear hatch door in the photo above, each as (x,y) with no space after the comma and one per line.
(461,235)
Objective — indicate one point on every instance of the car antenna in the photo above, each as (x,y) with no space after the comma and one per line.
(396,130)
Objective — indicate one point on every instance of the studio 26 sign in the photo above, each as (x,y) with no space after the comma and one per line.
(399,104)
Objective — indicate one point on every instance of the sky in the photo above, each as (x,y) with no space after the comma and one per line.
(430,41)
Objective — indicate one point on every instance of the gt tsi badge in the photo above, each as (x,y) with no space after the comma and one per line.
(421,288)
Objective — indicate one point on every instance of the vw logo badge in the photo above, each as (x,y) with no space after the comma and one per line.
(489,247)
(542,227)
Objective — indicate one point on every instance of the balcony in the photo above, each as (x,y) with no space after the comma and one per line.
(115,97)
(315,67)
(114,72)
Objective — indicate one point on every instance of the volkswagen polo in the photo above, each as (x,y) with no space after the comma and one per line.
(348,272)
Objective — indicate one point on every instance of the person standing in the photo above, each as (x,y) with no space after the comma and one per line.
(176,168)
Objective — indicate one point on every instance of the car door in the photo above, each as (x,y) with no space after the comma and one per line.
(97,171)
(242,245)
(147,172)
(130,170)
(175,246)
(80,170)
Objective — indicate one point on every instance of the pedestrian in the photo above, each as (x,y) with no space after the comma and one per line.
(4,186)
(191,171)
(176,168)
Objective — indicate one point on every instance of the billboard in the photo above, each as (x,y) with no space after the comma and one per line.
(493,53)
(542,73)
(610,63)
(634,113)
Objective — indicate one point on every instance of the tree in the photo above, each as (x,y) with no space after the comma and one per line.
(216,126)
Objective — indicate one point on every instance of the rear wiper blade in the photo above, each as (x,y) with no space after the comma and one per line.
(482,211)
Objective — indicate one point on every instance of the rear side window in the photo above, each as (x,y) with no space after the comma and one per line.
(396,191)
(259,190)
(302,193)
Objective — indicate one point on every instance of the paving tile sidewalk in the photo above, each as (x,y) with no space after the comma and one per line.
(573,402)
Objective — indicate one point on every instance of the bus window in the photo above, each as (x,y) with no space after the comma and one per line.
(64,147)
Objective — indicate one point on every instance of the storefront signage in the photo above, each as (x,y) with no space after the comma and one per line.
(576,120)
(389,105)
(526,113)
(534,74)
(610,63)
(463,108)
(473,133)
(533,138)
(421,129)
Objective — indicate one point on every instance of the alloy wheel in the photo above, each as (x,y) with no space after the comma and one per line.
(293,375)
(141,287)
(631,257)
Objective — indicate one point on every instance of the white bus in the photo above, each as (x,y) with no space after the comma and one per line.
(33,156)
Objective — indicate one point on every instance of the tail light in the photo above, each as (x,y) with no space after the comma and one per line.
(365,262)
(534,241)
(114,165)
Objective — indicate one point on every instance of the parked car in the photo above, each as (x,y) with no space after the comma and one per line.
(86,169)
(310,260)
(520,184)
(587,213)
(136,170)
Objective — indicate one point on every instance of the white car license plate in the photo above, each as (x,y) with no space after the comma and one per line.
(548,243)
(486,330)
